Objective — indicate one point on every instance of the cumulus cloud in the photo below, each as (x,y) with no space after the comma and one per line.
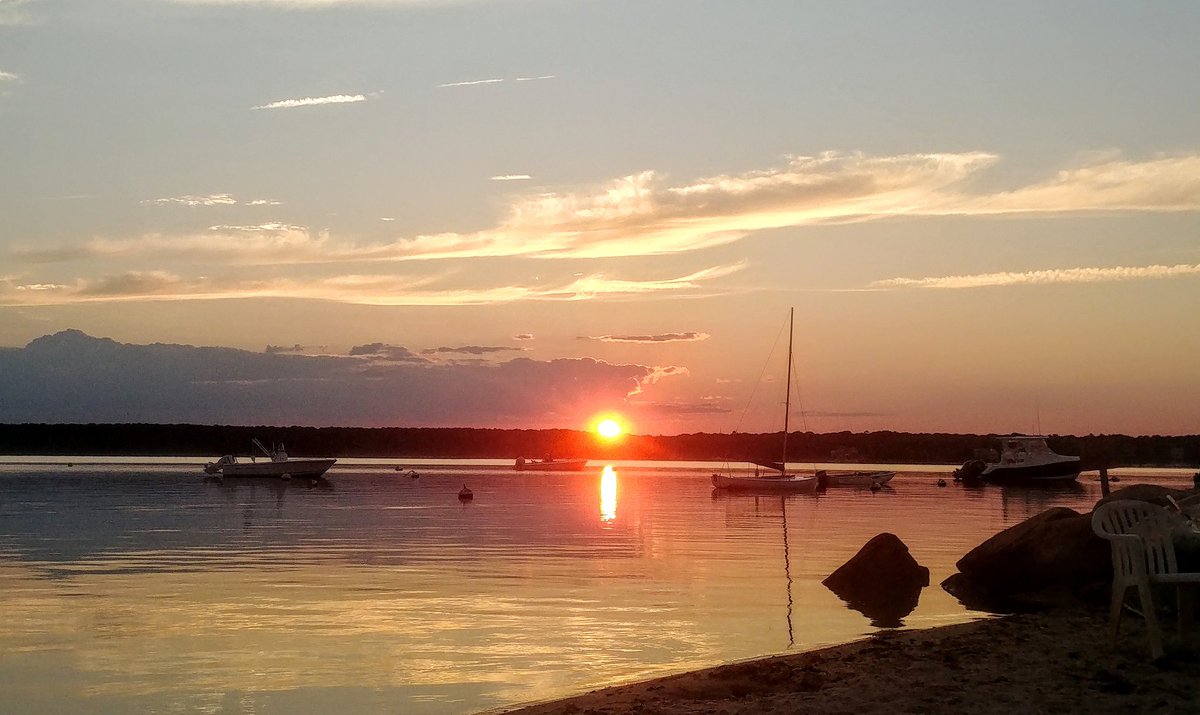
(389,353)
(314,101)
(1044,277)
(283,349)
(72,377)
(688,337)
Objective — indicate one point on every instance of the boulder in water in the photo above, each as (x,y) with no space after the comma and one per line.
(882,581)
(1053,557)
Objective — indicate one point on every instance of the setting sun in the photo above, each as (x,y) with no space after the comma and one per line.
(609,429)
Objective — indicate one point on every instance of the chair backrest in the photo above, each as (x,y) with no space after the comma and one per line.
(1150,551)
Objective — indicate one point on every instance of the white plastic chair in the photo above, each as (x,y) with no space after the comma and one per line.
(1143,554)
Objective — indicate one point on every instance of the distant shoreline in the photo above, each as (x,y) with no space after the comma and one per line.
(885,447)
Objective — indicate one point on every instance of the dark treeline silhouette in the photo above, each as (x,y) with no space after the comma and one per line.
(880,447)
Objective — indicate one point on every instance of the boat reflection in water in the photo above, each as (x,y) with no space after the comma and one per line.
(608,495)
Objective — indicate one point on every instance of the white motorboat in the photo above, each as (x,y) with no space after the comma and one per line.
(278,465)
(1024,459)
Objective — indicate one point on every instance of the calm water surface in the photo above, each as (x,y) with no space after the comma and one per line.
(140,588)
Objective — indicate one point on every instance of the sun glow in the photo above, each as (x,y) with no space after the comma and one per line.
(609,428)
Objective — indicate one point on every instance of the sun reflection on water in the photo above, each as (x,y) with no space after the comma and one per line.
(608,494)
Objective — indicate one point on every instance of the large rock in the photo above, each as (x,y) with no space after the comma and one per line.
(1051,557)
(1151,493)
(882,581)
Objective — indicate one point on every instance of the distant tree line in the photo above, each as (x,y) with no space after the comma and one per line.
(437,442)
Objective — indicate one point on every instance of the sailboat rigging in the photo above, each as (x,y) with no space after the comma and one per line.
(784,482)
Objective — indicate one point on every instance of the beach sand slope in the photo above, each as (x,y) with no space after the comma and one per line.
(1050,662)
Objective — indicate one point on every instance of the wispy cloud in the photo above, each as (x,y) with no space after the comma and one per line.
(1045,277)
(12,12)
(8,76)
(496,80)
(523,336)
(644,215)
(683,408)
(471,82)
(193,200)
(359,289)
(313,101)
(470,350)
(258,228)
(689,337)
(511,177)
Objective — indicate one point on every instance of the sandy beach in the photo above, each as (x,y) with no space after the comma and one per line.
(1056,661)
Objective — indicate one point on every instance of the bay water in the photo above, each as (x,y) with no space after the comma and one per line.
(135,586)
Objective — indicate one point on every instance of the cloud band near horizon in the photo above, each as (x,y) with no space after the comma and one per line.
(1044,277)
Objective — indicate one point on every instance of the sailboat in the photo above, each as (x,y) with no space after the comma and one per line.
(777,479)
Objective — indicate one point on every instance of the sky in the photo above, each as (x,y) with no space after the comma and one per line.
(531,213)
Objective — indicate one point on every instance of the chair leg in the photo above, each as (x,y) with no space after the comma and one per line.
(1114,611)
(1184,604)
(1152,629)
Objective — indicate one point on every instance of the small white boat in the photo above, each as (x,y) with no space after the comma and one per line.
(279,466)
(854,479)
(549,465)
(771,483)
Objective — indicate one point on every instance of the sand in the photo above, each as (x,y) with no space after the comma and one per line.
(1051,662)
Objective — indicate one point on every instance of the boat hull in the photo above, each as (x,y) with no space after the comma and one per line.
(554,465)
(857,479)
(294,468)
(765,484)
(1066,470)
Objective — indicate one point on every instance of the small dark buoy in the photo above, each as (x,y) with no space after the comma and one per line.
(875,486)
(286,477)
(414,474)
(1114,478)
(941,482)
(70,464)
(465,494)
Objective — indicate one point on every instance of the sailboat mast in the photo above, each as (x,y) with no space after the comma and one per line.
(787,400)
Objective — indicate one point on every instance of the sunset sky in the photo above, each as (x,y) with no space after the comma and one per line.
(529,213)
